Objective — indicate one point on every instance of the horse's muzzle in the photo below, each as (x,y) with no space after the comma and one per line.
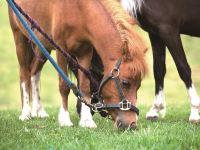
(124,126)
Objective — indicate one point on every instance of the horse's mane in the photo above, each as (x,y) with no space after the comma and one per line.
(134,48)
(132,6)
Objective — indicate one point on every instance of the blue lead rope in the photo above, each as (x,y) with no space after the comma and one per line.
(44,50)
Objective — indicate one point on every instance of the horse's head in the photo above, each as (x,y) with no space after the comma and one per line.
(119,93)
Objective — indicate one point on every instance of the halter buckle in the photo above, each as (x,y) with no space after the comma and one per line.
(115,72)
(125,105)
(97,106)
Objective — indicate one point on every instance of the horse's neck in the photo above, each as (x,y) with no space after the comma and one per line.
(103,33)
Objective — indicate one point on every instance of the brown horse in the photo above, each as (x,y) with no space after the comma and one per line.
(78,27)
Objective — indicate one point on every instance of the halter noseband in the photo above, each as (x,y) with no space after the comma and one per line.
(124,103)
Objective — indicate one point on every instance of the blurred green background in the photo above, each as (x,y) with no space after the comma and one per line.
(9,77)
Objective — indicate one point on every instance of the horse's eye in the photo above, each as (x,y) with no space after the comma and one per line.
(126,84)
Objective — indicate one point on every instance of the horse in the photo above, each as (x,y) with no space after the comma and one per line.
(79,27)
(165,20)
(125,27)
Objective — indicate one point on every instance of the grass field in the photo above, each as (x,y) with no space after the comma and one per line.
(173,132)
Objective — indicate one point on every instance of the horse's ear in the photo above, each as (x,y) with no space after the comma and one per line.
(125,50)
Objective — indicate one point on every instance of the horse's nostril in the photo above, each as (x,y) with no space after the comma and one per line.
(119,124)
(133,126)
(123,126)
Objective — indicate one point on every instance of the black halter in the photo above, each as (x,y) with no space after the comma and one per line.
(124,104)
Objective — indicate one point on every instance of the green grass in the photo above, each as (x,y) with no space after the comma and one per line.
(173,132)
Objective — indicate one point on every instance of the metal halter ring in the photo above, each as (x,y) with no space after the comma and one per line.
(125,105)
(97,106)
(115,72)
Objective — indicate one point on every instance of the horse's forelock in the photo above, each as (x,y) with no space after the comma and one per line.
(124,23)
(134,48)
(136,68)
